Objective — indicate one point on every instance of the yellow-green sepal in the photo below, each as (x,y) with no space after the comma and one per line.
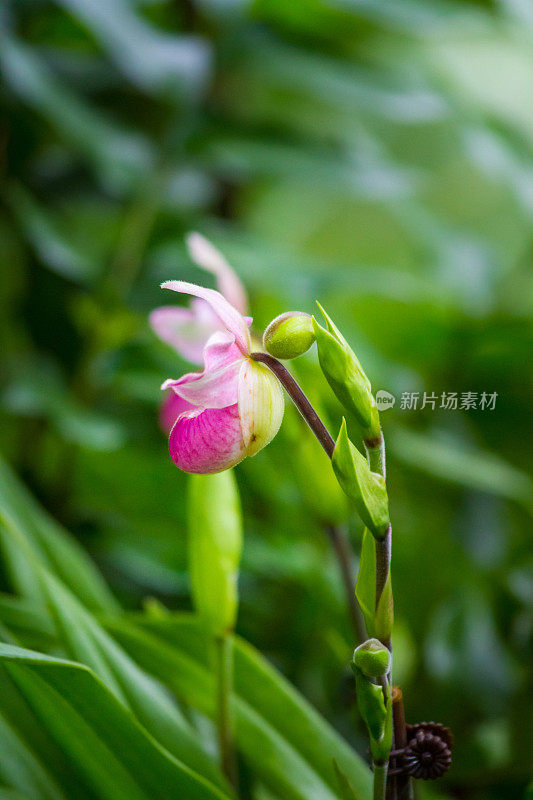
(367,489)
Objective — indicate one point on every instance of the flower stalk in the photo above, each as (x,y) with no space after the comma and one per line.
(337,535)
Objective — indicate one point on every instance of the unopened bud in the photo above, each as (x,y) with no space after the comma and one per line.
(372,658)
(290,335)
(345,375)
(215,544)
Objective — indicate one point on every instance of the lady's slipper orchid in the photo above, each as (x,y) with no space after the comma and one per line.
(234,407)
(187,330)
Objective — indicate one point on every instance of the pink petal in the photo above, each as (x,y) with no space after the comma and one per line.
(186,329)
(217,386)
(232,319)
(208,257)
(172,406)
(207,441)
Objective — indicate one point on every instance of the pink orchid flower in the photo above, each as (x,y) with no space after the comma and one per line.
(187,330)
(235,406)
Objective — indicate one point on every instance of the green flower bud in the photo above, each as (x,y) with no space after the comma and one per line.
(367,489)
(289,335)
(372,658)
(215,545)
(345,375)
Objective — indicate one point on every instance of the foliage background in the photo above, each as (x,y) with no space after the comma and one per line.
(375,155)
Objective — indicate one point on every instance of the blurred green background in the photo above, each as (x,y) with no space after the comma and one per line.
(374,154)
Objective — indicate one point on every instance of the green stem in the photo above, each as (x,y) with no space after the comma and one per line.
(224,676)
(375,452)
(380,781)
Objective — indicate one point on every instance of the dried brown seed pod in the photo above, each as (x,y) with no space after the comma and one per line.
(426,756)
(436,728)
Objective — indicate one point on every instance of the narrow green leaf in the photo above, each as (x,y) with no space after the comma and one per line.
(22,770)
(118,155)
(85,640)
(288,744)
(449,460)
(52,546)
(105,746)
(367,489)
(152,59)
(345,790)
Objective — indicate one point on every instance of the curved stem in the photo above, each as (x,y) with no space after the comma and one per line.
(299,399)
(339,539)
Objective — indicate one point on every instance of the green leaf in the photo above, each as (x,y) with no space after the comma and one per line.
(451,461)
(51,545)
(118,155)
(111,755)
(367,489)
(346,791)
(21,769)
(27,621)
(85,640)
(288,744)
(152,59)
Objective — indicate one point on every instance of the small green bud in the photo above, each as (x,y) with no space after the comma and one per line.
(367,489)
(290,335)
(372,658)
(215,545)
(345,375)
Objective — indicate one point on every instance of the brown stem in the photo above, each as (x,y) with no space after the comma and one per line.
(339,540)
(299,399)
(400,785)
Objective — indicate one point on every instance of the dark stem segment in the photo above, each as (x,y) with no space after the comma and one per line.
(343,551)
(299,399)
(339,540)
(401,785)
